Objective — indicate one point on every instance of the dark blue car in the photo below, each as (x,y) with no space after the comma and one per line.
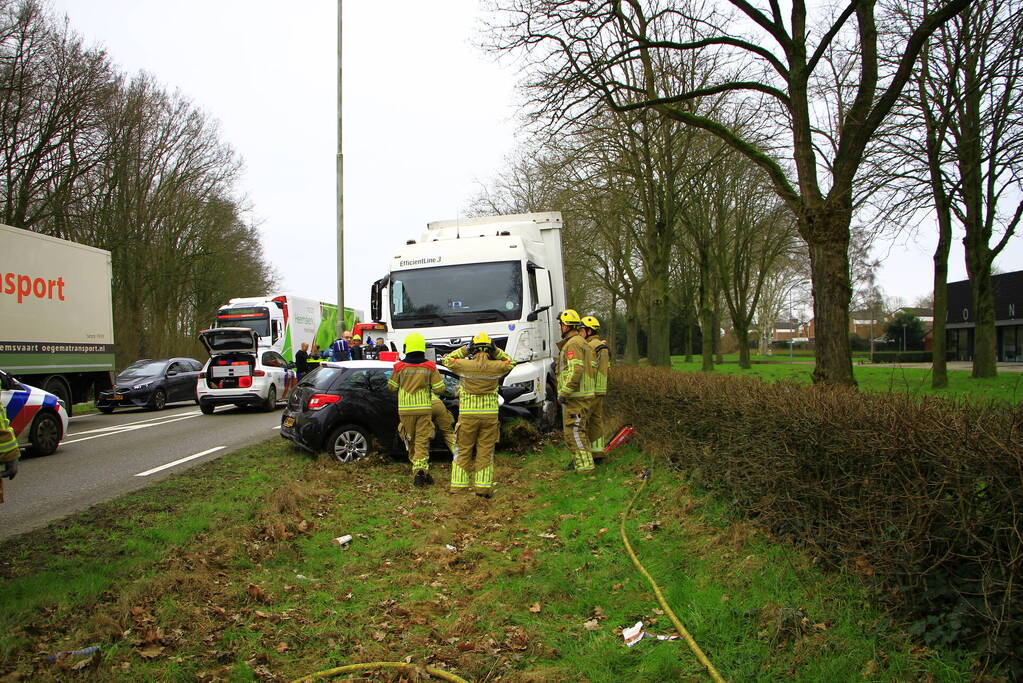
(152,384)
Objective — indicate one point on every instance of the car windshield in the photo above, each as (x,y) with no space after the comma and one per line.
(456,295)
(256,319)
(144,368)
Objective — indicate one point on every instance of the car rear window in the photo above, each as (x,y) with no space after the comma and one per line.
(321,378)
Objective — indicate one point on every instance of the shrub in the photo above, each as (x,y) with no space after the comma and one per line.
(923,497)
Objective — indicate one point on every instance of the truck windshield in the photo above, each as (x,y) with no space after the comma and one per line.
(256,319)
(456,295)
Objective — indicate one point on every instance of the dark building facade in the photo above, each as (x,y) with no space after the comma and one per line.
(1008,289)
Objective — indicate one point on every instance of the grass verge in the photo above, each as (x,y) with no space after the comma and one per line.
(229,572)
(1007,387)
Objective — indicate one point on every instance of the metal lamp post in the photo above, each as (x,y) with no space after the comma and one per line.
(340,191)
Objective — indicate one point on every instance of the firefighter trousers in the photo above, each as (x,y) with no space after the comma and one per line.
(416,431)
(595,426)
(476,437)
(443,421)
(574,412)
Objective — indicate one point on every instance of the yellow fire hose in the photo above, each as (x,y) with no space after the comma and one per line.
(446,676)
(660,596)
(373,666)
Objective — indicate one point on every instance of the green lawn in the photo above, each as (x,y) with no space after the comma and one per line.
(1007,387)
(229,572)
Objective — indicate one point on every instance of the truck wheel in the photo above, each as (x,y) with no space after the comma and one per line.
(550,409)
(158,400)
(271,399)
(45,435)
(206,407)
(59,388)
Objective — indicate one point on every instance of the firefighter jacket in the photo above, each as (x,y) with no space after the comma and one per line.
(416,383)
(8,441)
(477,392)
(576,371)
(602,362)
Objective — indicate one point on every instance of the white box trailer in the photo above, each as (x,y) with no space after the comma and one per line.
(502,275)
(56,316)
(284,321)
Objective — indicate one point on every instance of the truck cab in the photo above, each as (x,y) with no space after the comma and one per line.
(501,275)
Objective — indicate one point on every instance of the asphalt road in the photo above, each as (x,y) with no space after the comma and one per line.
(104,456)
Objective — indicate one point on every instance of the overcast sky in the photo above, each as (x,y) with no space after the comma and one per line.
(427,118)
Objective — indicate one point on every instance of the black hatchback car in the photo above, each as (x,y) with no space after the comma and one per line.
(152,384)
(341,407)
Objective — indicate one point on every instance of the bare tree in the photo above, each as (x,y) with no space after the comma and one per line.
(768,66)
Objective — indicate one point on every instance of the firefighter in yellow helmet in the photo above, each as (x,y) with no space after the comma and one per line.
(443,421)
(576,378)
(602,362)
(416,380)
(479,428)
(9,451)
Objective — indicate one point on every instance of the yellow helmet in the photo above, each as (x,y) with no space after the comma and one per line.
(415,342)
(570,317)
(481,338)
(591,322)
(481,342)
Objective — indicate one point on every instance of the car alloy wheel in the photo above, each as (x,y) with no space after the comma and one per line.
(159,399)
(348,443)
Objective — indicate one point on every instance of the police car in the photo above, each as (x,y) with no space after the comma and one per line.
(38,418)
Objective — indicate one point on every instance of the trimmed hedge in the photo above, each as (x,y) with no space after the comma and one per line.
(921,496)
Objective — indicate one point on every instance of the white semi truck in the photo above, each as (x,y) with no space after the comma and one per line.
(502,275)
(284,321)
(56,316)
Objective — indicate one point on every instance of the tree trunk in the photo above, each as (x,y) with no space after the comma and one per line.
(985,352)
(742,335)
(939,371)
(832,290)
(612,329)
(706,315)
(631,333)
(718,338)
(659,327)
(689,335)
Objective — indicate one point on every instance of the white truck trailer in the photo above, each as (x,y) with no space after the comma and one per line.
(56,317)
(502,275)
(284,321)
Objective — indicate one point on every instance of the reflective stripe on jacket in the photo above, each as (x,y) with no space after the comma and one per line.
(8,441)
(575,367)
(416,383)
(478,389)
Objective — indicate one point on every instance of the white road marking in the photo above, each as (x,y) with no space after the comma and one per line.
(277,427)
(179,461)
(114,431)
(121,425)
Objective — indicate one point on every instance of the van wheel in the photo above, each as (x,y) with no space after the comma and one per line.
(45,435)
(206,407)
(348,443)
(271,399)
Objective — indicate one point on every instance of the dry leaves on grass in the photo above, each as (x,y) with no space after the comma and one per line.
(535,608)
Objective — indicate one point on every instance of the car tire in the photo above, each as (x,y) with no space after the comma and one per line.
(59,388)
(398,450)
(550,410)
(206,407)
(347,443)
(45,434)
(158,400)
(106,410)
(271,398)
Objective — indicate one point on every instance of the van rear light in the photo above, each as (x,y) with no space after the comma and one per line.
(318,401)
(259,373)
(244,382)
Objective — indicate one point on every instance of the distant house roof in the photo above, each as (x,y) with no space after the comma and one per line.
(918,312)
(865,314)
(786,325)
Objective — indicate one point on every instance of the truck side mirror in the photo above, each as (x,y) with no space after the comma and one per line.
(275,330)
